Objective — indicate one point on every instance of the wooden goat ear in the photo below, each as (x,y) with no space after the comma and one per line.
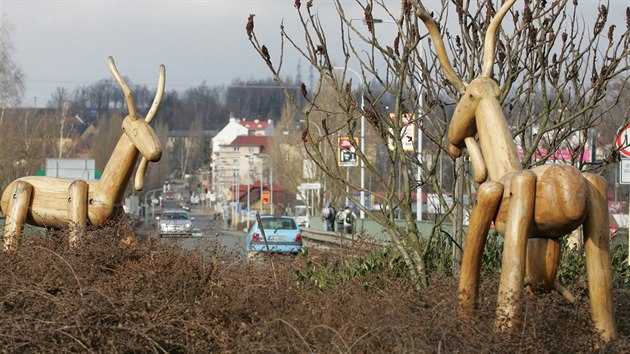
(454,151)
(480,172)
(142,169)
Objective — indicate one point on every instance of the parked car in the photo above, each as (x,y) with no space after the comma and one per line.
(281,232)
(302,217)
(175,222)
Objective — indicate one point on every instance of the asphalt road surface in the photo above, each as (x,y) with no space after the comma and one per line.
(208,234)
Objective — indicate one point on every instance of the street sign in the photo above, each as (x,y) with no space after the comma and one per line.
(311,185)
(624,171)
(347,152)
(266,197)
(407,133)
(623,141)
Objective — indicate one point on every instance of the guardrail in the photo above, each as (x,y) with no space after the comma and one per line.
(337,239)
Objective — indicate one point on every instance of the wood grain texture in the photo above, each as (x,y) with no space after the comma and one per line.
(488,198)
(534,208)
(62,203)
(598,264)
(523,193)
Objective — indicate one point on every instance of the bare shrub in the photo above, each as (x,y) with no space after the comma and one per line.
(105,296)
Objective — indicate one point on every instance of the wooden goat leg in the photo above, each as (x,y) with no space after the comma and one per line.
(16,215)
(598,264)
(520,218)
(488,200)
(77,210)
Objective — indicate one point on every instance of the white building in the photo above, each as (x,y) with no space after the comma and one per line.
(229,162)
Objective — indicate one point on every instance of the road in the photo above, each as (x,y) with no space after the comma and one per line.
(207,232)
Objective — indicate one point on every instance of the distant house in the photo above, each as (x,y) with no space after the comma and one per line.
(239,159)
(258,127)
(228,133)
(230,145)
(186,137)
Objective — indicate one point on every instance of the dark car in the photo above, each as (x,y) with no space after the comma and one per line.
(281,233)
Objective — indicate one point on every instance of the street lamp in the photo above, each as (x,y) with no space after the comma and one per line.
(236,196)
(249,172)
(312,173)
(362,138)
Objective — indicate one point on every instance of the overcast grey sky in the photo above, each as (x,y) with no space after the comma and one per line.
(65,43)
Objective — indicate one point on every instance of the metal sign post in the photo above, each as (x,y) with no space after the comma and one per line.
(623,143)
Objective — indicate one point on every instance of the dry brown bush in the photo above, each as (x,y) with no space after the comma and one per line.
(107,297)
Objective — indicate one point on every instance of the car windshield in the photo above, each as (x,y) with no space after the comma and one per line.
(175,216)
(278,224)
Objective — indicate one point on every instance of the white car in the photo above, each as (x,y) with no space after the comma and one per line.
(175,222)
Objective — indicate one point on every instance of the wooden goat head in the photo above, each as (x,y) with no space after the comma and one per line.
(478,111)
(138,128)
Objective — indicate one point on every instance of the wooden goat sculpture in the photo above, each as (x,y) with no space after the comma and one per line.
(59,203)
(532,208)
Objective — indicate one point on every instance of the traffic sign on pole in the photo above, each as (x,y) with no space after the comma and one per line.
(407,134)
(623,141)
(624,171)
(347,152)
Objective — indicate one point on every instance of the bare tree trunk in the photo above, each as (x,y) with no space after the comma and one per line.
(458,223)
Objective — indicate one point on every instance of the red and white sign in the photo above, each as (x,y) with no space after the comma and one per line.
(407,135)
(623,141)
(347,152)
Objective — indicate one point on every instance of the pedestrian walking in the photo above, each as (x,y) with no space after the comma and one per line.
(348,220)
(328,217)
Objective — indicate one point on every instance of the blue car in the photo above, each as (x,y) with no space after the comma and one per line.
(282,233)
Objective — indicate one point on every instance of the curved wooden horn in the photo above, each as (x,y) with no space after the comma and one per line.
(158,95)
(144,163)
(131,104)
(440,50)
(491,35)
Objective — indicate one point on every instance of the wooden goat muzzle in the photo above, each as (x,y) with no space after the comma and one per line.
(143,138)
